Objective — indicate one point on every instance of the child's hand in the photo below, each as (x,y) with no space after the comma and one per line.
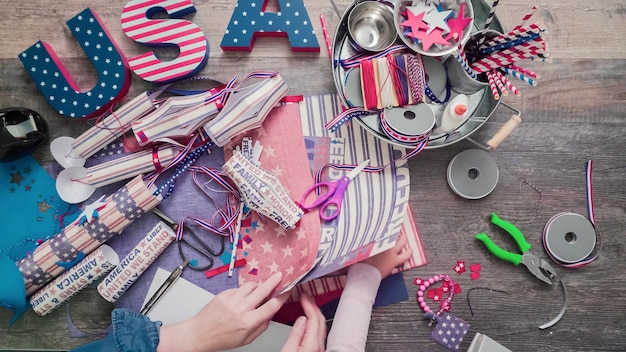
(308,333)
(386,261)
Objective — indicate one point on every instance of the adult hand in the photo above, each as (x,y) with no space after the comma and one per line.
(233,318)
(308,332)
(388,260)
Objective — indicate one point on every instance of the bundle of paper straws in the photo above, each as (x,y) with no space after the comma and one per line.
(498,56)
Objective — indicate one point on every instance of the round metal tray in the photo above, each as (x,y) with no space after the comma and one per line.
(481,104)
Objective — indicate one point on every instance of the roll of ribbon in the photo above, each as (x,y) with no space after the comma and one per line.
(570,239)
(410,124)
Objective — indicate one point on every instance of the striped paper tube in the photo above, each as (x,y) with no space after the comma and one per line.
(525,71)
(177,117)
(492,85)
(507,83)
(246,109)
(119,210)
(513,35)
(498,82)
(129,166)
(492,12)
(111,127)
(463,62)
(512,44)
(520,76)
(88,270)
(526,17)
(113,286)
(498,60)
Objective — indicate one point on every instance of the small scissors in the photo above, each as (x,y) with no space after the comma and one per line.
(537,266)
(333,195)
(197,245)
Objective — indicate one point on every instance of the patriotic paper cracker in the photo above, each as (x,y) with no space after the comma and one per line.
(122,208)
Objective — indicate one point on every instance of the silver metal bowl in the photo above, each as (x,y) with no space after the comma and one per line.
(371,27)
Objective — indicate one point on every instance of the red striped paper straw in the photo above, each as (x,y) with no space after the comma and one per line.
(526,18)
(525,71)
(492,85)
(326,36)
(513,35)
(508,83)
(498,82)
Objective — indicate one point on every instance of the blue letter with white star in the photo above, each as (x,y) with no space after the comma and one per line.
(250,20)
(57,86)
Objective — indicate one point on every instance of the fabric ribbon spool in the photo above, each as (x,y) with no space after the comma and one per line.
(569,239)
(411,124)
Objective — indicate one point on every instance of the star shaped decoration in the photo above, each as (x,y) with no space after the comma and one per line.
(438,19)
(91,211)
(43,206)
(17,178)
(457,25)
(427,40)
(414,22)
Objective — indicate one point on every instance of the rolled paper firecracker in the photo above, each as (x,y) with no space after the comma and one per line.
(73,152)
(80,238)
(246,108)
(262,191)
(88,270)
(113,286)
(178,117)
(128,166)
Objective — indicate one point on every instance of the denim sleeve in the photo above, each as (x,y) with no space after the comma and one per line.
(131,331)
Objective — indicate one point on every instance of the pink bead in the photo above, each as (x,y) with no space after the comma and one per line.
(431,280)
(422,287)
(426,284)
(420,293)
(420,299)
(436,278)
(423,305)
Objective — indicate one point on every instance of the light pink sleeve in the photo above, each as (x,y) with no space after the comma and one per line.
(352,318)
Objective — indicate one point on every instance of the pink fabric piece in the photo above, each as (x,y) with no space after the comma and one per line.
(273,248)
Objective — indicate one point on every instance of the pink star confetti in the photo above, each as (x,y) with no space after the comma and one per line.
(418,281)
(427,40)
(457,25)
(415,22)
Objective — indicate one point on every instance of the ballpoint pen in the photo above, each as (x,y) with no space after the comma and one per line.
(164,287)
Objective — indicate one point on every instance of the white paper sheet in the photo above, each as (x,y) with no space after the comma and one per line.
(184,299)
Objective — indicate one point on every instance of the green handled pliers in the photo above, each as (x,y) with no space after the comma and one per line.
(537,266)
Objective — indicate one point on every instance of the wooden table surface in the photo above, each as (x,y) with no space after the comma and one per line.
(575,113)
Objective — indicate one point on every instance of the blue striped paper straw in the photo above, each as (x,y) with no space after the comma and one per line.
(520,76)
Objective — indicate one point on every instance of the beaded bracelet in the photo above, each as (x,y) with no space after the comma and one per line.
(444,304)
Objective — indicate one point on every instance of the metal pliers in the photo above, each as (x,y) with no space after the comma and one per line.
(537,266)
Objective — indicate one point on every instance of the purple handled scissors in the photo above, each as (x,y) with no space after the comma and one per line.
(334,194)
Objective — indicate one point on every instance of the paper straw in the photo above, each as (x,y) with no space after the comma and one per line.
(510,44)
(120,209)
(498,82)
(492,12)
(507,83)
(525,71)
(526,18)
(136,262)
(492,85)
(88,270)
(129,166)
(497,60)
(326,36)
(513,35)
(237,237)
(111,127)
(519,76)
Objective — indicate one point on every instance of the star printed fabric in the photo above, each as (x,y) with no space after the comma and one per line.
(450,331)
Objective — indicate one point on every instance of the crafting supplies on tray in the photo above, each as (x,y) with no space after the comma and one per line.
(402,90)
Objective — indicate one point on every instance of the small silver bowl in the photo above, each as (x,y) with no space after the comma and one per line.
(371,26)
